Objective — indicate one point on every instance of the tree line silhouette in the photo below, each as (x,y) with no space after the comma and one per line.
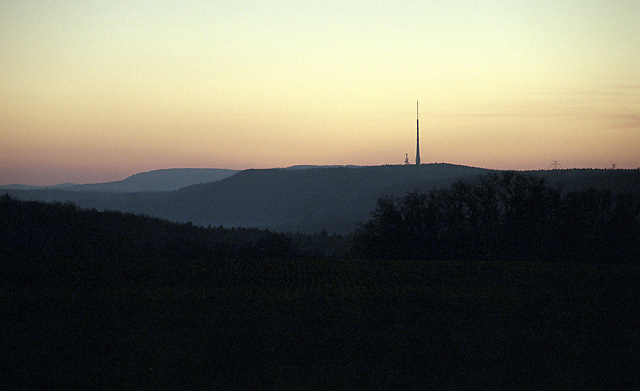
(507,217)
(31,229)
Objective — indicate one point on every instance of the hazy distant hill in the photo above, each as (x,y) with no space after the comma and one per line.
(156,180)
(330,198)
(162,180)
(617,181)
(18,186)
(334,199)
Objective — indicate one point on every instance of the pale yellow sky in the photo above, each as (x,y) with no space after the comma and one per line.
(98,90)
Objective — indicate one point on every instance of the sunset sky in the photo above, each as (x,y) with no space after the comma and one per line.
(93,91)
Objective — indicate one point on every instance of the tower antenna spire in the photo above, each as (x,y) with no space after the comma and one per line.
(417,135)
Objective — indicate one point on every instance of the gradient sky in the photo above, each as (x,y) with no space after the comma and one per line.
(92,91)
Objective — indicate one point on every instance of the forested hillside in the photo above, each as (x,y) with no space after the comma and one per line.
(35,230)
(332,199)
(505,217)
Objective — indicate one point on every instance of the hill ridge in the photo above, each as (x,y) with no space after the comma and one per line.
(333,199)
(165,179)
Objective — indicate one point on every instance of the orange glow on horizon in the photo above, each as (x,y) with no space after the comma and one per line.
(94,92)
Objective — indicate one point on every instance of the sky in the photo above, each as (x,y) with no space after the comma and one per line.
(94,91)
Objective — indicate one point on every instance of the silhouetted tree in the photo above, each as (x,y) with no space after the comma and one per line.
(399,228)
(506,216)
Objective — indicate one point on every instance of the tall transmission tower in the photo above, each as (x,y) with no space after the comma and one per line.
(417,136)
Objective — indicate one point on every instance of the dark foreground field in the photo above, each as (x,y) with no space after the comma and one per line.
(252,324)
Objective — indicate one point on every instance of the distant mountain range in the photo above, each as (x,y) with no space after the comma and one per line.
(156,180)
(301,198)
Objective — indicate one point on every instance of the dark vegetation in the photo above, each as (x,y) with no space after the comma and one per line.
(543,296)
(38,230)
(319,324)
(505,217)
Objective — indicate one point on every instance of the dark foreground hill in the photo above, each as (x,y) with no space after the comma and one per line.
(35,231)
(334,199)
(107,300)
(167,323)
